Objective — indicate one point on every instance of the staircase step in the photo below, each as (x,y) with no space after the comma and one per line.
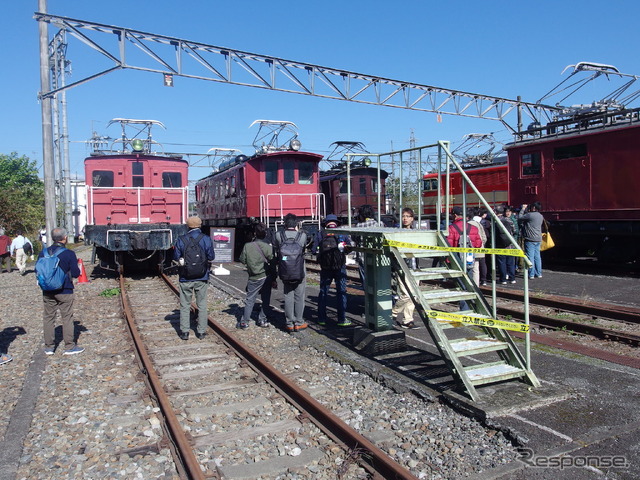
(444,295)
(420,253)
(492,372)
(436,273)
(472,346)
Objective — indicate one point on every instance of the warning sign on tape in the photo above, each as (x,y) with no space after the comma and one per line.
(513,252)
(480,322)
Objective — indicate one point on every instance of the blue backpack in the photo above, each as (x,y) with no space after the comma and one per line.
(49,274)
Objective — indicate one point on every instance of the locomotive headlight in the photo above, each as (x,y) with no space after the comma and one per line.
(366,161)
(137,145)
(295,145)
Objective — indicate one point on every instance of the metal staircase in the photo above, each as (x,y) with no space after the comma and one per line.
(490,356)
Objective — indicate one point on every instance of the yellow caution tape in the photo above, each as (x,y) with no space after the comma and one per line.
(480,322)
(513,252)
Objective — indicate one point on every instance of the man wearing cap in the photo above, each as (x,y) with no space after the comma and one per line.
(331,270)
(198,285)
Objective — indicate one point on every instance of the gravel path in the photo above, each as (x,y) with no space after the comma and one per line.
(93,419)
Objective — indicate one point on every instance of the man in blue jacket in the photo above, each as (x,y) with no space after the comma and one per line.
(61,299)
(197,285)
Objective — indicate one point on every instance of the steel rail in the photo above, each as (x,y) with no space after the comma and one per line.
(604,310)
(185,450)
(384,467)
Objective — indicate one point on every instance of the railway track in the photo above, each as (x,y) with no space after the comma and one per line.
(227,412)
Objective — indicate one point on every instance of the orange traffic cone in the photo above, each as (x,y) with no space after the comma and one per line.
(83,273)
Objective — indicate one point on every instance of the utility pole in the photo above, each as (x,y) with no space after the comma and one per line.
(47,134)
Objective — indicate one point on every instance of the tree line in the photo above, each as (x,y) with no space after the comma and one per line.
(21,196)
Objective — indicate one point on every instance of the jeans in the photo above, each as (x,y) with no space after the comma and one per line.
(294,297)
(255,287)
(506,267)
(326,278)
(187,289)
(532,250)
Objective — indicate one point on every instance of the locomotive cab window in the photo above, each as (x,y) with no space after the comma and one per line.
(137,174)
(305,173)
(343,186)
(102,178)
(531,163)
(363,186)
(374,185)
(171,179)
(289,172)
(271,172)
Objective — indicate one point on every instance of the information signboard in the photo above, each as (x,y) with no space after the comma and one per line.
(223,243)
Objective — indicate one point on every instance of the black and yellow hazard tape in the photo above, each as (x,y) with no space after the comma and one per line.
(513,252)
(480,322)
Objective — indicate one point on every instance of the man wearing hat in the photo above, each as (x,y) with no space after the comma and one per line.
(331,250)
(194,253)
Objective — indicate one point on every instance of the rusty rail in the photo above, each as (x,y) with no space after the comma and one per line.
(184,449)
(383,467)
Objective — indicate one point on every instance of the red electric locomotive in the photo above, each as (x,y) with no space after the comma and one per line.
(365,182)
(278,179)
(489,178)
(137,201)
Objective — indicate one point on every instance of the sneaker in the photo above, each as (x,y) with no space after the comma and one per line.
(200,336)
(264,324)
(291,328)
(322,323)
(5,358)
(49,351)
(483,284)
(503,283)
(538,276)
(513,281)
(242,325)
(409,325)
(301,326)
(184,335)
(345,323)
(74,350)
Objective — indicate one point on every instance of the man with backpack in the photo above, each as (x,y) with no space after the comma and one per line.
(290,244)
(331,250)
(55,268)
(194,253)
(21,247)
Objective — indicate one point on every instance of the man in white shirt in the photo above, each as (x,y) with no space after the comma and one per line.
(17,246)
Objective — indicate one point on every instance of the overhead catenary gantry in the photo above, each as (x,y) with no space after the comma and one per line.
(175,56)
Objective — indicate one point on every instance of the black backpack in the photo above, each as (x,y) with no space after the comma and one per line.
(195,259)
(291,259)
(329,255)
(27,248)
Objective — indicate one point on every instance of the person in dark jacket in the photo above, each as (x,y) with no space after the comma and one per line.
(194,286)
(60,299)
(328,276)
(5,255)
(257,256)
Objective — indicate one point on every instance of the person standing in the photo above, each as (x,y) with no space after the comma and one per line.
(331,250)
(403,308)
(531,223)
(294,290)
(62,299)
(17,248)
(479,271)
(194,253)
(43,237)
(456,229)
(257,256)
(506,263)
(5,255)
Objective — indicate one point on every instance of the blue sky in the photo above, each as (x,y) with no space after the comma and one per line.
(499,48)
